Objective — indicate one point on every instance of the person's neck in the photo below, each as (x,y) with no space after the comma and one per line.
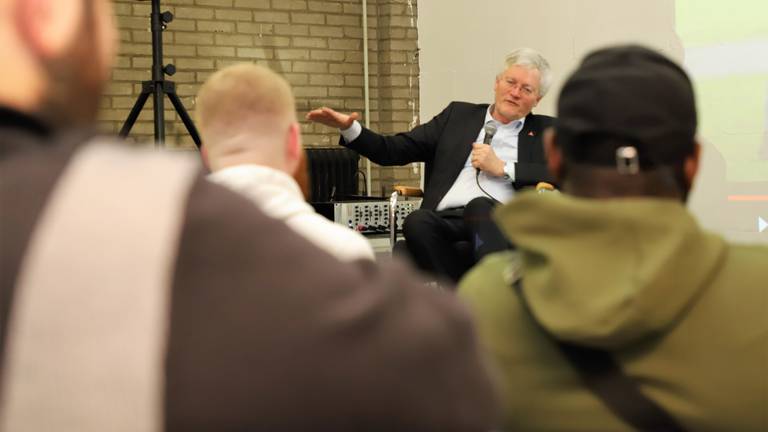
(606,183)
(23,87)
(221,162)
(500,118)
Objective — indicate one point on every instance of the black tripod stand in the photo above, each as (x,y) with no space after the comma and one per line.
(159,86)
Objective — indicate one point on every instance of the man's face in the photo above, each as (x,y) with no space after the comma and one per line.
(77,76)
(517,92)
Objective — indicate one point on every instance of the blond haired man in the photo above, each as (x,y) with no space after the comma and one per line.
(252,140)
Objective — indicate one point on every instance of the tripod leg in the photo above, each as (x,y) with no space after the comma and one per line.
(159,111)
(136,110)
(170,90)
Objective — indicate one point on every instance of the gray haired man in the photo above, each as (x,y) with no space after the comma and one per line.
(468,170)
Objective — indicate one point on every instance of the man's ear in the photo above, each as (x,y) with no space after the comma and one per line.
(204,157)
(293,148)
(554,155)
(691,164)
(49,27)
(302,176)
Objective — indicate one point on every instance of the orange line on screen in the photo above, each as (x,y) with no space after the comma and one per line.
(747,197)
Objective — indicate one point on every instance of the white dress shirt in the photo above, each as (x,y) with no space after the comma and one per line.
(465,187)
(279,196)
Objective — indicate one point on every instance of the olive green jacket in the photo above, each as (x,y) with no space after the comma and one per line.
(685,313)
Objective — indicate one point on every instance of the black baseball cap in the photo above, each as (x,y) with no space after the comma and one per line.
(633,94)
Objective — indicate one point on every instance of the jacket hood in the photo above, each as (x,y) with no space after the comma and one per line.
(605,273)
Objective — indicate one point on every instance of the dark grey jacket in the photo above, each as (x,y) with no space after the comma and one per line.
(268,332)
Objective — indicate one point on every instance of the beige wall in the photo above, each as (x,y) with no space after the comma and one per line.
(463,43)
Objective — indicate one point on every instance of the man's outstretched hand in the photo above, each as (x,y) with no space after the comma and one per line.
(332,118)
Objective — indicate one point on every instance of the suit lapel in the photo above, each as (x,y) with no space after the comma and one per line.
(457,144)
(461,146)
(526,138)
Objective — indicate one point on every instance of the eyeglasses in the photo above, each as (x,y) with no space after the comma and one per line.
(522,88)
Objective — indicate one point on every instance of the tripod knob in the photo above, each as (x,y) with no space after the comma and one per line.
(169,69)
(166,17)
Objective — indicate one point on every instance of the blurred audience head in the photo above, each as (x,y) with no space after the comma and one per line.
(56,57)
(247,114)
(626,127)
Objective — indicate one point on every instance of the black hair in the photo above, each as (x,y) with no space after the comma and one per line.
(665,160)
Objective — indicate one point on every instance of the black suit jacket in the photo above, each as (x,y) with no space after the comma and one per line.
(445,142)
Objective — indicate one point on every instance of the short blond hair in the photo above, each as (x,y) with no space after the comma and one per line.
(244,98)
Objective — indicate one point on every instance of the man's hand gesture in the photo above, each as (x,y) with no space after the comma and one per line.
(332,118)
(485,159)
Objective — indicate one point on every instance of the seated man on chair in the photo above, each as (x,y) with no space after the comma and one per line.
(464,178)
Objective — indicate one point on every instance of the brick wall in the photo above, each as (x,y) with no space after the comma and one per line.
(316,44)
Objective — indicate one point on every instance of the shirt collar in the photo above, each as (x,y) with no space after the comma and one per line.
(514,125)
(10,118)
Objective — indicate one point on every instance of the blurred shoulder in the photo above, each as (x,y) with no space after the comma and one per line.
(491,275)
(748,260)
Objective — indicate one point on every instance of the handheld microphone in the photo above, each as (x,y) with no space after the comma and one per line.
(490,131)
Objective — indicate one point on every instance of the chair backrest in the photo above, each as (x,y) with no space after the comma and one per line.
(332,173)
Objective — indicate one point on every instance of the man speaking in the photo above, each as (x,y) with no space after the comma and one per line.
(475,155)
